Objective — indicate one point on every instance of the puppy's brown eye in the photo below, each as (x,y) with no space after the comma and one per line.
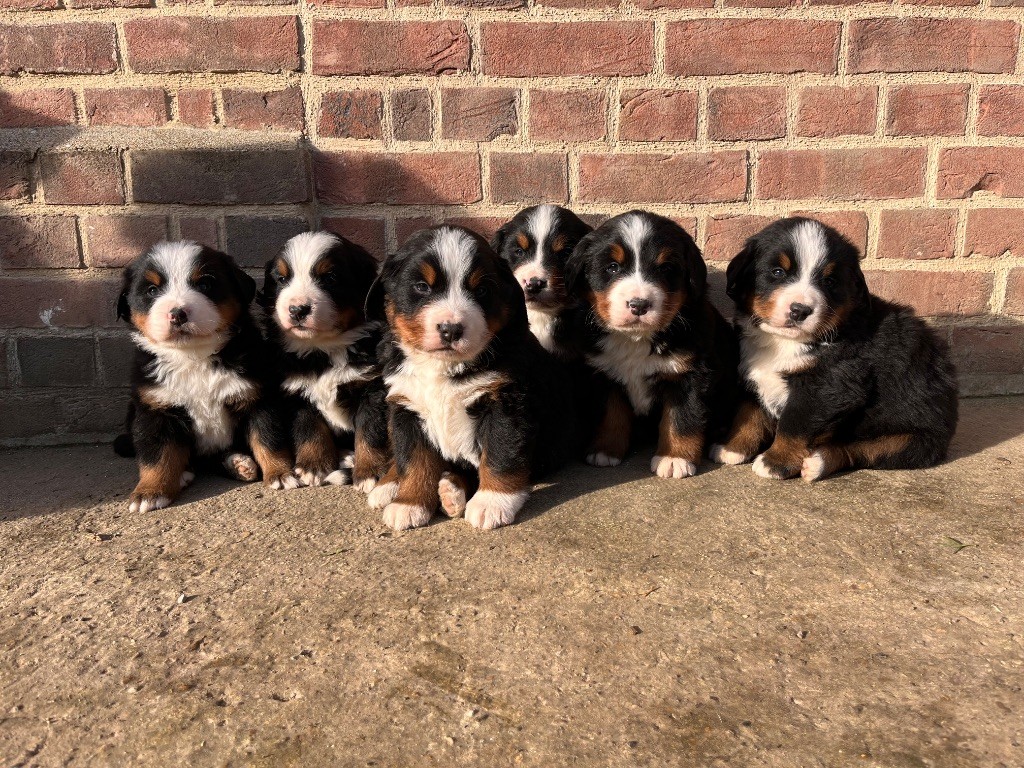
(422,288)
(481,291)
(828,282)
(205,284)
(280,279)
(778,273)
(613,268)
(153,290)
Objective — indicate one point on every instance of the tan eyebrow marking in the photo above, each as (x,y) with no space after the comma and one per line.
(785,262)
(476,277)
(523,240)
(322,267)
(617,252)
(558,243)
(829,269)
(153,277)
(282,267)
(663,255)
(428,272)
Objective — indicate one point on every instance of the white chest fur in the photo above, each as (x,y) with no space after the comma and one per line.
(322,390)
(442,404)
(766,360)
(542,324)
(630,362)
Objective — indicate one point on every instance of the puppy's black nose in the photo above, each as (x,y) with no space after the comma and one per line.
(799,312)
(639,307)
(535,285)
(450,332)
(299,312)
(177,316)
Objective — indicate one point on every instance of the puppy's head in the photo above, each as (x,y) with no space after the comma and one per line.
(536,243)
(797,279)
(637,271)
(184,295)
(316,289)
(445,293)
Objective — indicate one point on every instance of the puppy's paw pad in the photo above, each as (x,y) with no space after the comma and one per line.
(147,503)
(722,455)
(453,497)
(382,495)
(365,485)
(401,517)
(668,466)
(602,460)
(242,467)
(813,467)
(282,482)
(187,478)
(491,509)
(348,460)
(310,477)
(338,477)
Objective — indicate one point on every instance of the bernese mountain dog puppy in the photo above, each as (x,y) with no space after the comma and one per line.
(836,378)
(536,243)
(476,402)
(314,294)
(203,387)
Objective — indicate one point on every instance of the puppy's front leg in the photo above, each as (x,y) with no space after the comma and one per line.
(751,429)
(162,446)
(611,442)
(269,444)
(372,452)
(680,434)
(419,467)
(506,441)
(316,455)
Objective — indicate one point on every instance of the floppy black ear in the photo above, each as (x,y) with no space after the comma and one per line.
(246,285)
(739,275)
(364,267)
(697,270)
(577,263)
(498,241)
(124,311)
(374,306)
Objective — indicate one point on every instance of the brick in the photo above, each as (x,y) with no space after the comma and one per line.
(37,108)
(101,4)
(115,240)
(351,114)
(529,178)
(200,230)
(927,110)
(28,414)
(738,46)
(657,5)
(126,106)
(568,115)
(410,114)
(115,355)
(1000,108)
(38,241)
(827,111)
(746,113)
(966,170)
(15,175)
(406,228)
(995,232)
(82,178)
(727,234)
(442,178)
(925,234)
(988,349)
(853,225)
(584,4)
(195,107)
(691,177)
(263,110)
(504,5)
(348,3)
(66,48)
(485,226)
(657,115)
(58,302)
(1015,292)
(478,114)
(29,5)
(209,177)
(56,362)
(368,233)
(841,174)
(90,412)
(935,293)
(528,49)
(196,44)
(353,47)
(5,375)
(932,45)
(254,240)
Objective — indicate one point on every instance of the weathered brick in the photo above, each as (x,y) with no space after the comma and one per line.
(200,229)
(56,362)
(485,226)
(410,114)
(66,48)
(657,115)
(995,231)
(368,233)
(737,46)
(207,176)
(38,241)
(727,234)
(529,178)
(527,49)
(478,114)
(928,110)
(115,240)
(351,114)
(935,293)
(195,107)
(932,45)
(1015,292)
(29,5)
(353,47)
(101,4)
(254,240)
(690,177)
(990,349)
(1000,108)
(568,115)
(348,3)
(841,174)
(406,228)
(263,110)
(917,234)
(37,108)
(115,355)
(196,44)
(15,175)
(442,178)
(503,5)
(746,113)
(827,111)
(82,178)
(126,106)
(853,225)
(82,301)
(966,170)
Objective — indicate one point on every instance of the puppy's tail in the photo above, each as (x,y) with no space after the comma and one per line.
(123,446)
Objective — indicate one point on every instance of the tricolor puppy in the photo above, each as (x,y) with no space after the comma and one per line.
(536,243)
(836,378)
(670,357)
(315,293)
(473,394)
(203,388)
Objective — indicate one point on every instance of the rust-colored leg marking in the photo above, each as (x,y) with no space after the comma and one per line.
(417,499)
(317,456)
(612,440)
(784,459)
(160,483)
(751,429)
(275,464)
(829,458)
(369,462)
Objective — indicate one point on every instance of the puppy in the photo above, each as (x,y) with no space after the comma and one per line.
(536,243)
(314,295)
(667,352)
(203,391)
(472,392)
(836,378)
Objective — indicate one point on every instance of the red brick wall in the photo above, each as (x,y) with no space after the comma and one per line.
(240,123)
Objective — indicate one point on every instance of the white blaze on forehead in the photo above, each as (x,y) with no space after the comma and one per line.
(810,248)
(176,262)
(454,250)
(634,229)
(302,253)
(539,225)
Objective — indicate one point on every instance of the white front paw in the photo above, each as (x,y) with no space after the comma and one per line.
(761,469)
(145,504)
(813,467)
(366,485)
(382,495)
(670,466)
(310,477)
(187,478)
(602,460)
(347,460)
(338,477)
(401,517)
(284,482)
(492,509)
(722,455)
(453,497)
